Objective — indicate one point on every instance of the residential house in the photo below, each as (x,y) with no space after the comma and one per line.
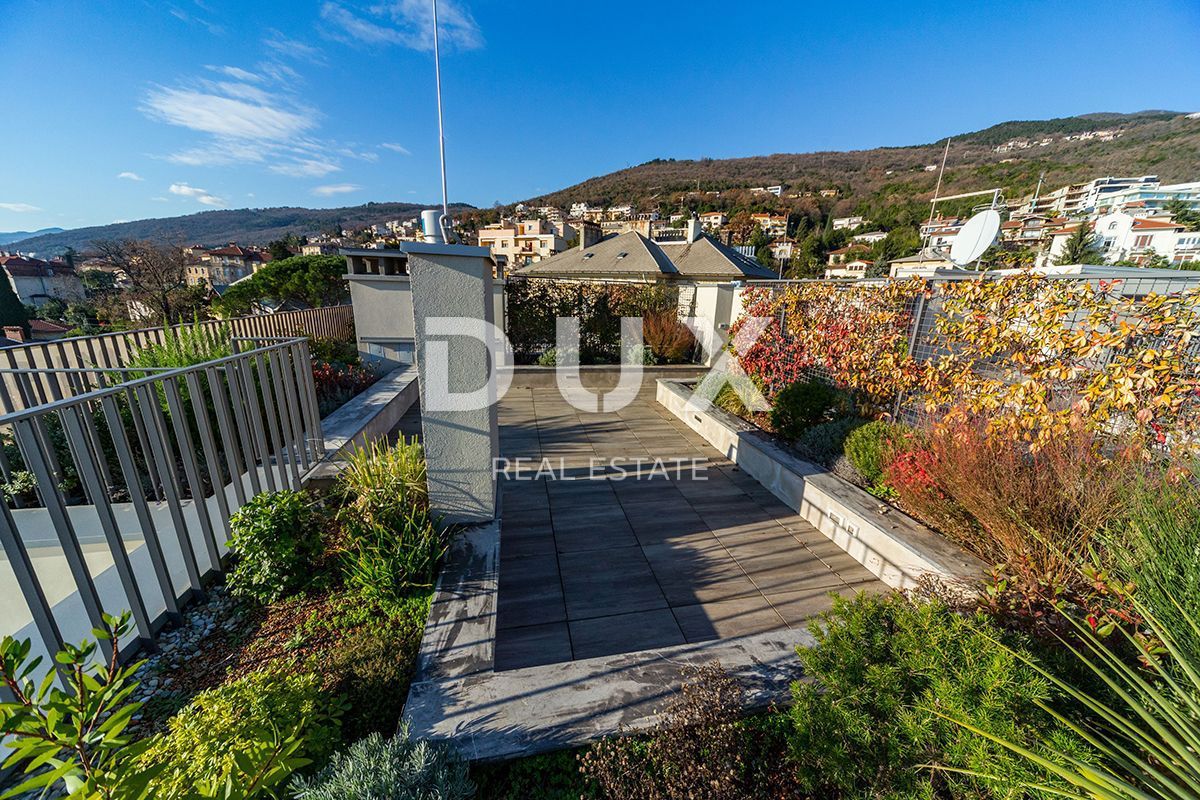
(691,256)
(614,213)
(36,282)
(870,237)
(783,249)
(516,243)
(318,249)
(834,192)
(774,225)
(844,254)
(1137,242)
(775,190)
(232,263)
(927,263)
(854,269)
(713,220)
(848,223)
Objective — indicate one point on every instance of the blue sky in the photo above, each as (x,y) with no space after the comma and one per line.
(130,109)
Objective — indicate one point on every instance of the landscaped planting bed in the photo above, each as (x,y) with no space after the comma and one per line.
(287,680)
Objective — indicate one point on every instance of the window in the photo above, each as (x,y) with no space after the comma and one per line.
(1143,240)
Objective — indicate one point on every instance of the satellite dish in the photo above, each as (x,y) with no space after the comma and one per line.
(975,237)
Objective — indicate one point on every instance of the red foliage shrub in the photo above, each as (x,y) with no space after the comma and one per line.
(1034,512)
(337,383)
(668,338)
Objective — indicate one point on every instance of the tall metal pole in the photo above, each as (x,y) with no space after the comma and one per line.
(936,190)
(437,71)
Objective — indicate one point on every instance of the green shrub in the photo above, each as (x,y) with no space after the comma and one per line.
(390,544)
(276,540)
(549,776)
(1156,546)
(886,670)
(207,741)
(397,768)
(548,358)
(824,442)
(333,350)
(804,404)
(372,666)
(871,447)
(184,346)
(728,401)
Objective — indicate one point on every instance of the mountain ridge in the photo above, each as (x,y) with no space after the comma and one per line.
(248,226)
(1166,143)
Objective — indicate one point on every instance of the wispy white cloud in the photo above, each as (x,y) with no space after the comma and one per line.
(288,48)
(230,110)
(305,168)
(192,18)
(237,73)
(335,188)
(199,195)
(130,176)
(19,208)
(407,23)
(396,148)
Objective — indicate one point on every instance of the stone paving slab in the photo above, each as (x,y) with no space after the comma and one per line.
(636,550)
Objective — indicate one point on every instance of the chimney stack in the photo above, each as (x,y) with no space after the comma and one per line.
(589,234)
(694,230)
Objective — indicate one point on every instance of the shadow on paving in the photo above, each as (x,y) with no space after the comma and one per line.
(625,531)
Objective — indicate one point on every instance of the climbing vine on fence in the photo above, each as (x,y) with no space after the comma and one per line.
(1030,353)
(533,305)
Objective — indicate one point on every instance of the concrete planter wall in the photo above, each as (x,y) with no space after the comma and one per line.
(889,543)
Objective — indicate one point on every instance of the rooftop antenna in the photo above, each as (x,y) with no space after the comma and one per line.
(936,189)
(437,71)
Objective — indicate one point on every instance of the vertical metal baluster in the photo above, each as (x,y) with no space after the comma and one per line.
(217,388)
(27,581)
(271,411)
(160,450)
(245,437)
(297,386)
(287,432)
(208,446)
(27,431)
(72,419)
(314,410)
(254,413)
(191,469)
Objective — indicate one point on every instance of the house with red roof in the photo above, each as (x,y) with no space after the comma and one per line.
(37,282)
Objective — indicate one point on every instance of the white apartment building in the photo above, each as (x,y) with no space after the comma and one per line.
(1137,242)
(848,223)
(1149,200)
(1077,199)
(713,220)
(870,237)
(773,225)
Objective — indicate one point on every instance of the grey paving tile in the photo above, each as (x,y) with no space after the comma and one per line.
(530,592)
(801,606)
(722,619)
(625,633)
(618,583)
(532,646)
(526,540)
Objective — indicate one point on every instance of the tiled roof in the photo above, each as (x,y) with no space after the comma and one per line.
(1141,224)
(45,326)
(632,254)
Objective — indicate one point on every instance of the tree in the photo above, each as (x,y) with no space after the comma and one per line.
(11,310)
(742,226)
(97,281)
(286,247)
(1183,214)
(1080,247)
(306,281)
(155,274)
(1000,256)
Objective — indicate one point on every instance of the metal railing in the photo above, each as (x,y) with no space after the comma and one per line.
(119,498)
(42,372)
